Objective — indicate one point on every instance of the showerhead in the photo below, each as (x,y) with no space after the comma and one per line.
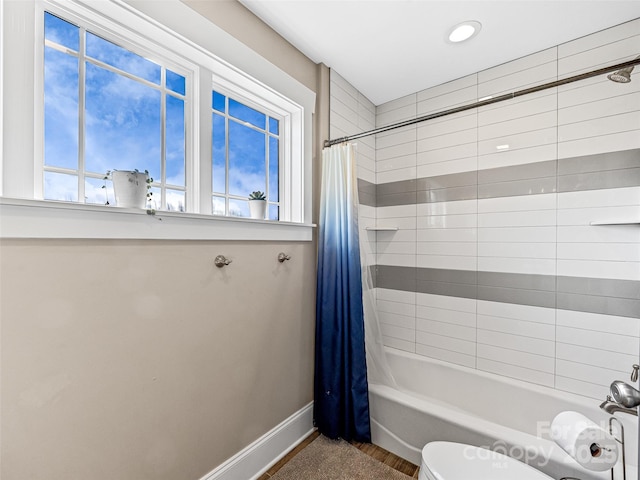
(625,394)
(621,76)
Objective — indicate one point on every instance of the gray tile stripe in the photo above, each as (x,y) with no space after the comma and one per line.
(396,187)
(367,199)
(628,177)
(366,187)
(599,286)
(367,193)
(516,188)
(404,198)
(518,280)
(589,172)
(447,276)
(448,194)
(595,295)
(600,162)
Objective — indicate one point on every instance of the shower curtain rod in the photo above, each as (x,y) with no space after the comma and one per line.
(488,101)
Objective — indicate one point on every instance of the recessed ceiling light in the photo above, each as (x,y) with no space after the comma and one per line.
(502,147)
(464,31)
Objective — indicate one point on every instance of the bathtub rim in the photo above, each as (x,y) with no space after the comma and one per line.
(472,421)
(582,400)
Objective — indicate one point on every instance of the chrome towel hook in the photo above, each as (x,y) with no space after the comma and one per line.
(283,256)
(220,261)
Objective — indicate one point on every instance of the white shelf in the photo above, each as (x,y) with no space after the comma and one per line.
(381,229)
(616,222)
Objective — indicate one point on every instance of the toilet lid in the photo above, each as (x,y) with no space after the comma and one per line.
(455,461)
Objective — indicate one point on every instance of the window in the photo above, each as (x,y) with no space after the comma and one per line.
(108,108)
(113,86)
(246,157)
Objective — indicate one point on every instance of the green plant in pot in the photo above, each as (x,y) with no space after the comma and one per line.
(131,188)
(258,205)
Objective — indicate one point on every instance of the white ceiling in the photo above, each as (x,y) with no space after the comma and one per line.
(391,48)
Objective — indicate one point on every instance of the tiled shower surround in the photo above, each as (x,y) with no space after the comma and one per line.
(496,264)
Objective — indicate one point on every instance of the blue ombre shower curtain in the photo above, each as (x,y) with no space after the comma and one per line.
(341,400)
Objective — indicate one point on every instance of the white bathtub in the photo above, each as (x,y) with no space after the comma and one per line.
(441,401)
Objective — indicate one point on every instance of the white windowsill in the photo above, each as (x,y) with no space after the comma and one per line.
(21,218)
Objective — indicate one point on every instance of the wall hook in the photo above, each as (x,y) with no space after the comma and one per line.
(220,261)
(283,256)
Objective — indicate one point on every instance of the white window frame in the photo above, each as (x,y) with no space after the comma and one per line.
(110,32)
(272,112)
(168,24)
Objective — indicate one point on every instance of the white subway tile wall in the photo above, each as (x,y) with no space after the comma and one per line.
(495,264)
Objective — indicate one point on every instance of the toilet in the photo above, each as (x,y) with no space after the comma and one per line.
(457,461)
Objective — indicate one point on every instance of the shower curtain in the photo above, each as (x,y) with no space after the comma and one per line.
(341,401)
(378,369)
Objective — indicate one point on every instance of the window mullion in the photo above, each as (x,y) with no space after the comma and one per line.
(226,155)
(163,138)
(81,114)
(200,147)
(266,162)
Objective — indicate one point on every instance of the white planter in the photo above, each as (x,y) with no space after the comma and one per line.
(130,188)
(258,208)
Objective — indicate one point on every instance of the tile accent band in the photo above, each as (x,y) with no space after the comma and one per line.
(594,295)
(589,172)
(366,193)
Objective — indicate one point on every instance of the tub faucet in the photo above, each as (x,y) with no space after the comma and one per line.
(610,406)
(625,394)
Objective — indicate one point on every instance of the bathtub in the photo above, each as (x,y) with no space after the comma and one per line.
(440,401)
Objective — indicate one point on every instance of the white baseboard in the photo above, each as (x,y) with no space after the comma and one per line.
(255,459)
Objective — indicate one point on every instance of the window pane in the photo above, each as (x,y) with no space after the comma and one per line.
(219,154)
(94,191)
(218,102)
(61,32)
(218,206)
(175,141)
(246,114)
(175,201)
(121,58)
(122,123)
(247,166)
(175,82)
(238,208)
(274,163)
(274,126)
(60,109)
(274,212)
(59,186)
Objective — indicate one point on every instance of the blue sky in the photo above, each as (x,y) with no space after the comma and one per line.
(122,123)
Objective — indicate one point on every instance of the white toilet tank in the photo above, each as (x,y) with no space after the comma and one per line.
(457,461)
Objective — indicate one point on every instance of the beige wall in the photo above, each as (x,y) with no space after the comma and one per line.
(235,19)
(141,359)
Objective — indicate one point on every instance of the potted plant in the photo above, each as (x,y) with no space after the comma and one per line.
(131,188)
(257,205)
